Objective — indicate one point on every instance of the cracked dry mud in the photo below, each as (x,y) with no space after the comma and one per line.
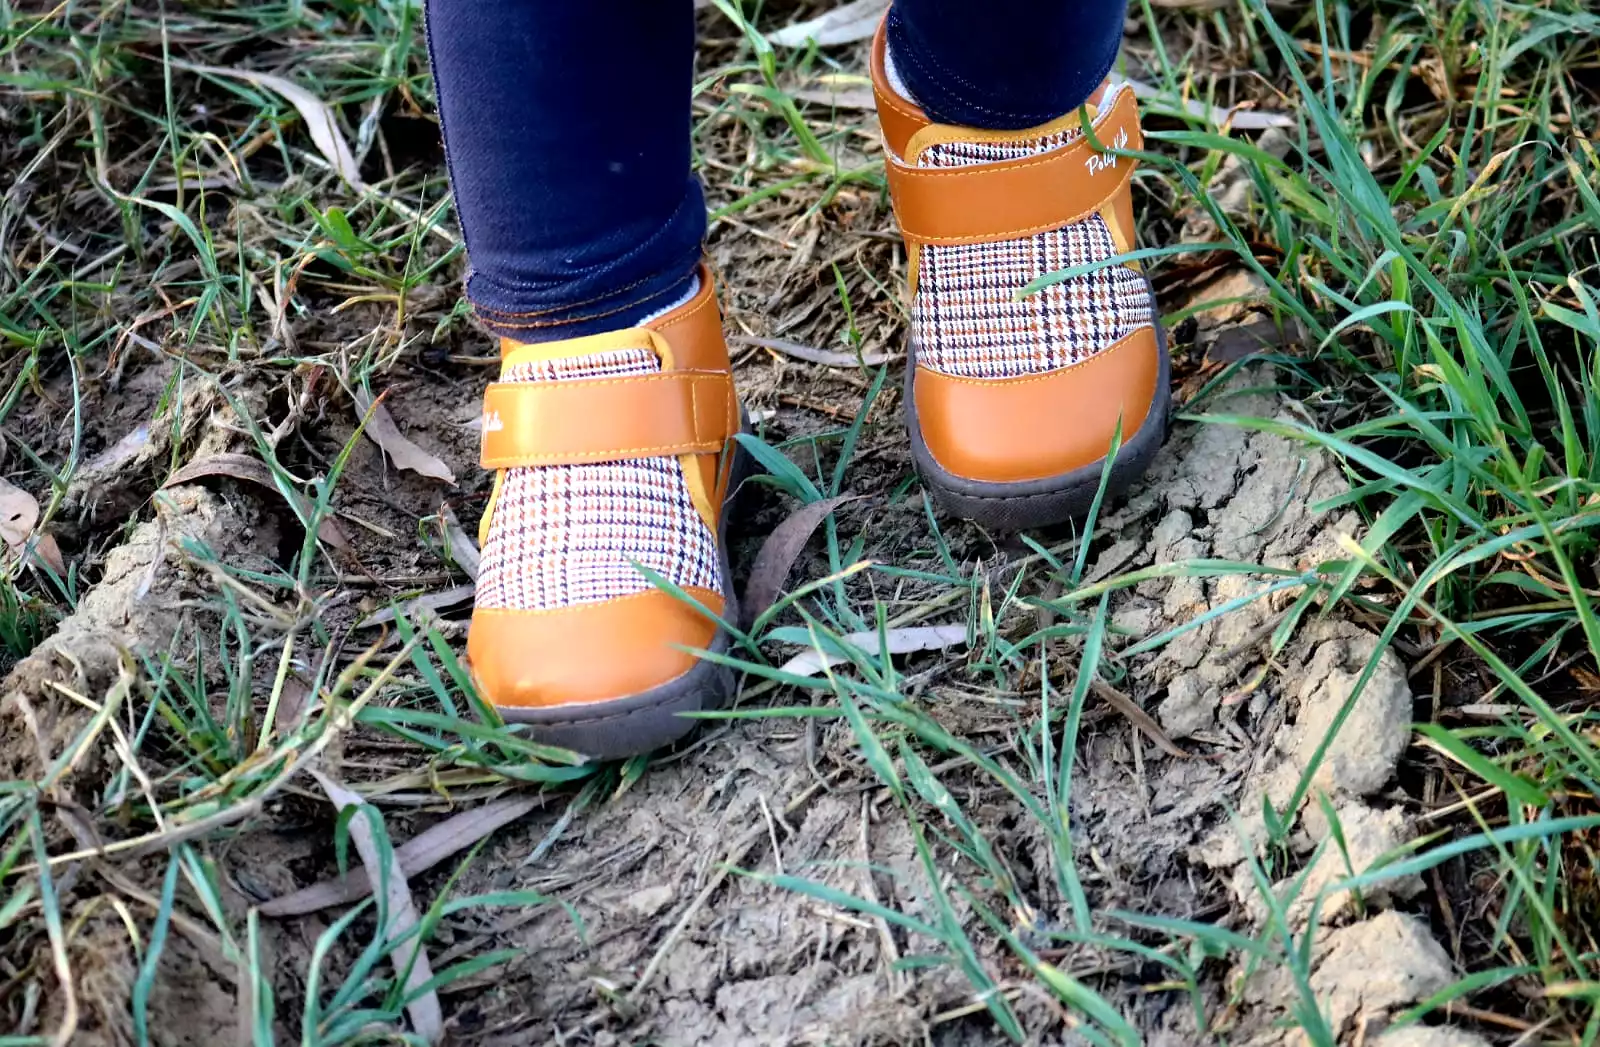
(732,960)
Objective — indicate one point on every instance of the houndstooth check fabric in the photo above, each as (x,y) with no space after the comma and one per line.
(966,319)
(571,534)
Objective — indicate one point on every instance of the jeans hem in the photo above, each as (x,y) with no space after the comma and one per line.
(560,320)
(931,83)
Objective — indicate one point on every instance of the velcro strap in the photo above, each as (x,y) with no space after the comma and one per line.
(986,203)
(607,419)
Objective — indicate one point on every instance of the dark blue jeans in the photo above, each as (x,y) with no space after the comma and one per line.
(566,125)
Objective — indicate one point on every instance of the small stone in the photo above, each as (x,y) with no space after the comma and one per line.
(1138,618)
(1368,835)
(1224,846)
(691,970)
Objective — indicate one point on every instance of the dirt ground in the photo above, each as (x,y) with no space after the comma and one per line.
(668,939)
(670,928)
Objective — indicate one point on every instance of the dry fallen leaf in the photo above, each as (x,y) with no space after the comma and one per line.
(410,957)
(845,24)
(19,514)
(459,546)
(1237,119)
(251,470)
(317,114)
(779,552)
(900,641)
(48,553)
(382,431)
(422,852)
(1140,719)
(432,602)
(858,98)
(292,702)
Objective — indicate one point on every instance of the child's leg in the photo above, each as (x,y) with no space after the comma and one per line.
(1004,64)
(567,130)
(1014,400)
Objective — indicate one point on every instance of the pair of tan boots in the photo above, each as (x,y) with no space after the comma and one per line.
(1013,404)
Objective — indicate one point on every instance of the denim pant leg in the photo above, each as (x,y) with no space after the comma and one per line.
(566,127)
(1004,64)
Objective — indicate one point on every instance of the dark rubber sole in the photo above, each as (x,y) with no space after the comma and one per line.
(653,719)
(639,723)
(1055,499)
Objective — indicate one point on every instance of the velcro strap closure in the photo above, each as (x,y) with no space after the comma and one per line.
(607,419)
(987,203)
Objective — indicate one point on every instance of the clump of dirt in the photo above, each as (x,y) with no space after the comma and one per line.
(1361,975)
(1221,492)
(1216,492)
(1430,1036)
(1370,969)
(1358,762)
(142,602)
(671,948)
(139,443)
(195,1000)
(137,606)
(103,967)
(711,957)
(192,1002)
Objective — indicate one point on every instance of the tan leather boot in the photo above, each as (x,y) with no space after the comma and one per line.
(1012,403)
(567,634)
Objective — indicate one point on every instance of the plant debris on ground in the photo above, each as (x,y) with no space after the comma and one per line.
(1296,744)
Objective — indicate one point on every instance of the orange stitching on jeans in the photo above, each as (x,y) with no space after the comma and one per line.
(558,308)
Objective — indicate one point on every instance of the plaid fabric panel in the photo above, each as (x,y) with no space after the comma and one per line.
(570,534)
(966,320)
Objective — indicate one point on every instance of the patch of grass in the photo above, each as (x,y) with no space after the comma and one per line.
(23,621)
(1447,287)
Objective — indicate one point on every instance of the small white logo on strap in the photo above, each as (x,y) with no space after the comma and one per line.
(492,423)
(1098,162)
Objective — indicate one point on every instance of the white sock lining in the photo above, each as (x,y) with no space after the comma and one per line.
(685,299)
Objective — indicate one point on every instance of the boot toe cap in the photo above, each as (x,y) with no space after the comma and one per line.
(1016,430)
(589,653)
